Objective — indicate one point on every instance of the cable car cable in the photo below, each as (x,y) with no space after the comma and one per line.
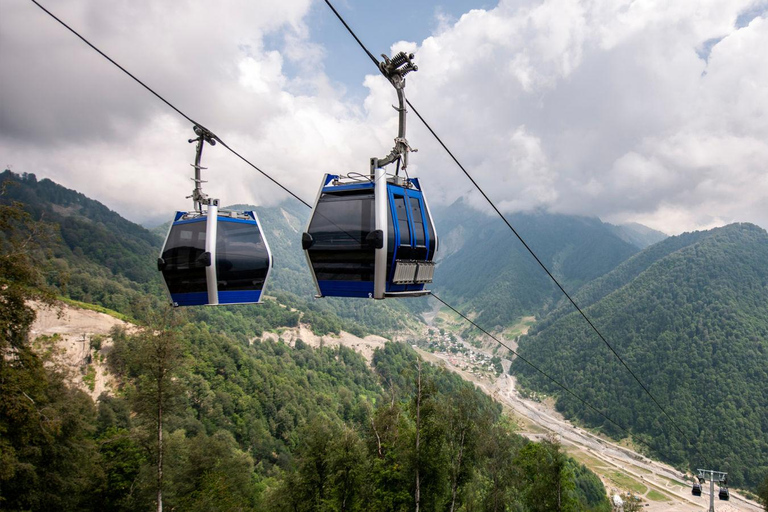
(555,381)
(295,196)
(210,134)
(161,98)
(177,110)
(526,361)
(519,237)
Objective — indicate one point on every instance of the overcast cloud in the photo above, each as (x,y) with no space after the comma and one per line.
(645,111)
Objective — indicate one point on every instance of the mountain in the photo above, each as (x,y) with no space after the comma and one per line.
(689,315)
(98,256)
(483,267)
(638,235)
(101,258)
(480,265)
(215,411)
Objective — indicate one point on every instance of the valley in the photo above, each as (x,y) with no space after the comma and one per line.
(258,378)
(661,487)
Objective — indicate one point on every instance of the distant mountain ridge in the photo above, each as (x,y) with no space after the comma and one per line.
(689,315)
(484,267)
(101,258)
(638,235)
(481,266)
(104,259)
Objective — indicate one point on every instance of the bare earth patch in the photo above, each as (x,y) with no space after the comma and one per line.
(73,329)
(365,346)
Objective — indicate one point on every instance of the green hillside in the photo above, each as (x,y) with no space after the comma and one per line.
(621,275)
(690,316)
(485,269)
(100,258)
(481,267)
(247,423)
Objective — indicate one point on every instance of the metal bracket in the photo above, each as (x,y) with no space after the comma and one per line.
(395,70)
(199,198)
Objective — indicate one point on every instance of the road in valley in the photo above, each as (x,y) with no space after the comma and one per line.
(661,487)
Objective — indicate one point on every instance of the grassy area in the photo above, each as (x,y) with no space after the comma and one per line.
(627,482)
(519,328)
(90,377)
(591,462)
(675,482)
(98,309)
(527,425)
(655,495)
(450,321)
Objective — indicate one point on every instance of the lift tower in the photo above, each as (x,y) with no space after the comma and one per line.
(712,476)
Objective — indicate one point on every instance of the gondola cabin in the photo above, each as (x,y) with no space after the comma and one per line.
(215,257)
(696,490)
(370,237)
(724,494)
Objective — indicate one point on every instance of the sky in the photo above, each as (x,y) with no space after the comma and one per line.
(643,111)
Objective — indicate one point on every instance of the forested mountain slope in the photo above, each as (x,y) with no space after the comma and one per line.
(621,275)
(690,316)
(243,422)
(485,268)
(98,257)
(638,235)
(104,259)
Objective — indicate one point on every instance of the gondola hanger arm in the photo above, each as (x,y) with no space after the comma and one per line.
(200,198)
(395,70)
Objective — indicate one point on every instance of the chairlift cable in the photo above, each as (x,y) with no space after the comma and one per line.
(529,363)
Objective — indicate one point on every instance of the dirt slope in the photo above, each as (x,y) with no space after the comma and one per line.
(70,332)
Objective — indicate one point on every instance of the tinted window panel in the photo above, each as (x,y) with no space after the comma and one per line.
(339,228)
(242,261)
(402,221)
(418,222)
(343,220)
(185,271)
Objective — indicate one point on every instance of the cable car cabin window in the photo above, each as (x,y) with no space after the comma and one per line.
(402,221)
(419,236)
(184,271)
(339,228)
(242,260)
(432,237)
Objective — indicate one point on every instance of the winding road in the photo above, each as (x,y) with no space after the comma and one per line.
(662,487)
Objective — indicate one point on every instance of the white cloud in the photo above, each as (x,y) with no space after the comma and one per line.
(69,115)
(631,122)
(587,107)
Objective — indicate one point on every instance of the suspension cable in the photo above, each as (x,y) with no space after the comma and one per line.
(529,363)
(161,98)
(295,196)
(519,237)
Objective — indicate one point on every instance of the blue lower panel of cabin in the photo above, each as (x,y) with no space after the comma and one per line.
(190,299)
(239,297)
(346,288)
(232,297)
(404,287)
